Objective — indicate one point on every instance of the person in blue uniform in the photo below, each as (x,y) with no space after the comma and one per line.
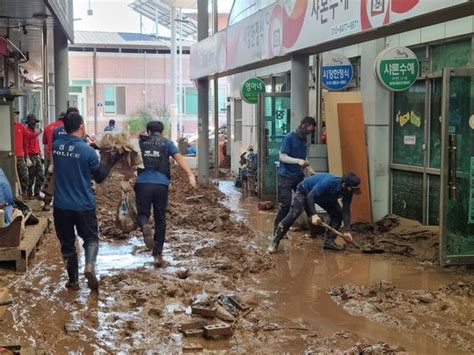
(292,164)
(151,187)
(325,190)
(75,164)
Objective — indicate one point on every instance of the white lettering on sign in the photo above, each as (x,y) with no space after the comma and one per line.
(409,140)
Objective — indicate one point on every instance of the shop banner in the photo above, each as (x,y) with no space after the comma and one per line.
(209,56)
(292,25)
(311,22)
(255,38)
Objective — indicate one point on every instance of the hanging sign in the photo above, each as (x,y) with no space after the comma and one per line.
(336,71)
(396,68)
(251,89)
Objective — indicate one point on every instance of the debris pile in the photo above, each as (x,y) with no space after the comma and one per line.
(445,313)
(399,236)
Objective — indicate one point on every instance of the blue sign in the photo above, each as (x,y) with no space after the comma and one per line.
(336,77)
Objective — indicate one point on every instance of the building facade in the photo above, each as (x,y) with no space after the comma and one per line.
(122,75)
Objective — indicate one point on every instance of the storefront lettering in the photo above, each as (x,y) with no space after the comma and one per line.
(253,36)
(320,7)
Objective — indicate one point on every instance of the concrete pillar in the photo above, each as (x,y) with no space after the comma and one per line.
(299,88)
(44,63)
(61,70)
(174,88)
(203,100)
(376,104)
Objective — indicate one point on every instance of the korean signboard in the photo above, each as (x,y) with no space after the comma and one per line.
(251,89)
(396,68)
(336,71)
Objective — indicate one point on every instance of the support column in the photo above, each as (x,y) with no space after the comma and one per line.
(46,118)
(215,23)
(299,89)
(94,84)
(376,103)
(61,70)
(174,89)
(203,101)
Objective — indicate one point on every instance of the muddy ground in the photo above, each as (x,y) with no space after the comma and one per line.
(213,251)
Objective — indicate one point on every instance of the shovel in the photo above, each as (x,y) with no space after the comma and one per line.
(339,234)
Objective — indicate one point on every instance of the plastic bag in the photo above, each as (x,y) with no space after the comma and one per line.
(126,216)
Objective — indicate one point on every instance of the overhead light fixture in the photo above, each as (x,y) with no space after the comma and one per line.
(90,12)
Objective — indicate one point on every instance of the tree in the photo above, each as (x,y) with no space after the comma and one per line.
(138,120)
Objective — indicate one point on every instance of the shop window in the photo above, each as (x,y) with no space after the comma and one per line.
(115,100)
(451,55)
(190,101)
(408,126)
(407,195)
(237,120)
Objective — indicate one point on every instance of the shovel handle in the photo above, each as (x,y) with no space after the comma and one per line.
(336,232)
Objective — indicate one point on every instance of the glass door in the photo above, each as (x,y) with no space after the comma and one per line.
(274,123)
(457,167)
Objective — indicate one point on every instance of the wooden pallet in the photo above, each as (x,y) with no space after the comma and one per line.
(28,246)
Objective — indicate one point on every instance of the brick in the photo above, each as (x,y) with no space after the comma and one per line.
(193,332)
(192,347)
(218,330)
(193,325)
(209,312)
(238,303)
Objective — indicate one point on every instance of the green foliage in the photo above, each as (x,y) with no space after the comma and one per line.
(138,120)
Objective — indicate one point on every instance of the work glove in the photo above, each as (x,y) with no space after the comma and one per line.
(303,163)
(29,163)
(51,168)
(348,237)
(315,219)
(114,158)
(192,180)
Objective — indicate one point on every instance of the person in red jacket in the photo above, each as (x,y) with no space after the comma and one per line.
(48,148)
(20,132)
(33,158)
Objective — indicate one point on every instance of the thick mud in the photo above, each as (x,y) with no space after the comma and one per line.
(215,246)
(446,314)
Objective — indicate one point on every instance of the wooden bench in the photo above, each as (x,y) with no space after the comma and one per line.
(28,246)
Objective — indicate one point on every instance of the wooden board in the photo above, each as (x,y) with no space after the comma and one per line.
(27,248)
(354,156)
(330,116)
(4,297)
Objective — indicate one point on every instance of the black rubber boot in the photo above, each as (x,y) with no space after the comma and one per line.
(330,243)
(279,235)
(72,268)
(89,271)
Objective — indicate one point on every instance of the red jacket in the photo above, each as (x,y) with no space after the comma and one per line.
(19,137)
(31,142)
(48,136)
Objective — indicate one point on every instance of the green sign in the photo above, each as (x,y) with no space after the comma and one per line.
(396,68)
(251,89)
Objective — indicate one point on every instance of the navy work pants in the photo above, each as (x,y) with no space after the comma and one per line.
(286,185)
(155,195)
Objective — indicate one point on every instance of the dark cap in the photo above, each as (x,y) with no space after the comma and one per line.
(62,115)
(32,117)
(353,181)
(15,110)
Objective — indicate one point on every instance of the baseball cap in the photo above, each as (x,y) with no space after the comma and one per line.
(353,181)
(15,110)
(62,115)
(32,117)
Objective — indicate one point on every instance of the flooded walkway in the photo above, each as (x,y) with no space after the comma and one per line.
(139,307)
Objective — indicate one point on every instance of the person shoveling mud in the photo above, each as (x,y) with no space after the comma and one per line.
(323,189)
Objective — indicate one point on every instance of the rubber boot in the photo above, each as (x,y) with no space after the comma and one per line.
(89,271)
(330,243)
(72,268)
(279,234)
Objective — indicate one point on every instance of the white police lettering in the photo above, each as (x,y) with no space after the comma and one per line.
(61,152)
(151,153)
